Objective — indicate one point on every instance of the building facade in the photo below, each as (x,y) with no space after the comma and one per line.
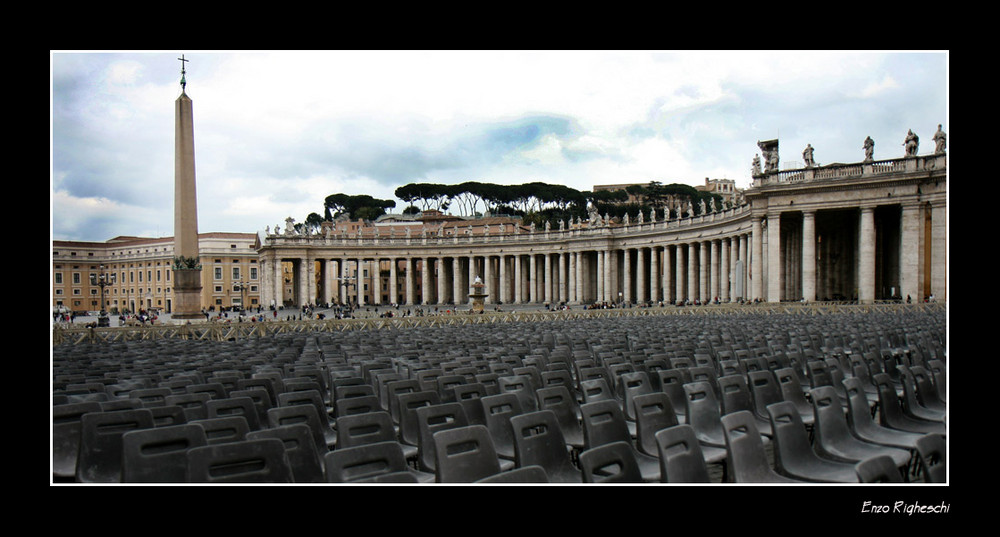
(864,232)
(139,273)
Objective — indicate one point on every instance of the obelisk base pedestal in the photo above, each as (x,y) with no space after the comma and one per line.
(187,295)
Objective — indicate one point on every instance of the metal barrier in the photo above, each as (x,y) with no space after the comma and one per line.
(217,331)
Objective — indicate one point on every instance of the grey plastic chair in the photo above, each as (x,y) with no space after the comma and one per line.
(681,458)
(793,454)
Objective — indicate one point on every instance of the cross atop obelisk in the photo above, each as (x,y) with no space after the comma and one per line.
(183,81)
(187,266)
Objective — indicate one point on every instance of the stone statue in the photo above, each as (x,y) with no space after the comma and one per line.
(532,227)
(640,218)
(869,149)
(652,215)
(486,229)
(277,230)
(756,166)
(701,207)
(562,225)
(607,219)
(911,143)
(289,226)
(711,204)
(940,141)
(548,226)
(407,232)
(625,219)
(807,156)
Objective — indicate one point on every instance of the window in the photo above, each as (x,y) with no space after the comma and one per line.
(236,273)
(218,273)
(59,278)
(253,273)
(76,278)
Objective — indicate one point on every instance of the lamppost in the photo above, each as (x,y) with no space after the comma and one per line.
(242,286)
(104,280)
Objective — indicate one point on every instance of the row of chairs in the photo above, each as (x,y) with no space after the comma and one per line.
(340,387)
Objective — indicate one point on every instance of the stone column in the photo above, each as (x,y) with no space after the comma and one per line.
(573,278)
(303,282)
(564,277)
(775,274)
(939,251)
(627,275)
(809,256)
(654,274)
(724,247)
(393,283)
(547,279)
(376,272)
(409,274)
(757,265)
(503,283)
(866,257)
(704,288)
(362,280)
(425,282)
(693,262)
(640,275)
(518,287)
(600,275)
(279,283)
(681,292)
(488,280)
(909,253)
(610,275)
(442,281)
(668,276)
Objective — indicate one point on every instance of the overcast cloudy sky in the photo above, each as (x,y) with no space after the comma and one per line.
(277,132)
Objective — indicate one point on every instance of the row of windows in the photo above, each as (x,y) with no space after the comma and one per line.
(77,278)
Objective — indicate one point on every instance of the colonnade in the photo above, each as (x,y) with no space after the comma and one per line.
(861,232)
(696,271)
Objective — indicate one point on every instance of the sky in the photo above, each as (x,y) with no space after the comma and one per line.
(276,132)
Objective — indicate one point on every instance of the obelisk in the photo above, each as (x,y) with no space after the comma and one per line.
(187,264)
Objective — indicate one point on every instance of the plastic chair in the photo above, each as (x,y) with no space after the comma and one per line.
(878,469)
(681,458)
(538,441)
(526,474)
(704,414)
(559,400)
(604,423)
(933,458)
(862,426)
(632,385)
(464,454)
(736,396)
(159,455)
(927,394)
(247,461)
(832,438)
(192,403)
(409,402)
(793,392)
(305,414)
(100,456)
(224,429)
(396,388)
(672,383)
(519,385)
(610,463)
(368,462)
(430,420)
(747,461)
(794,456)
(468,396)
(234,406)
(303,458)
(66,431)
(910,401)
(356,405)
(891,412)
